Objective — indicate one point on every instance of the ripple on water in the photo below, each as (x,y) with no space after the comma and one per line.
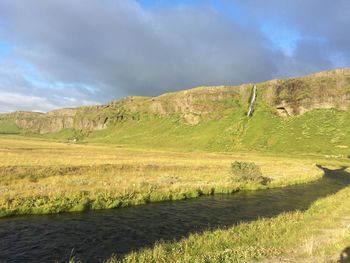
(96,235)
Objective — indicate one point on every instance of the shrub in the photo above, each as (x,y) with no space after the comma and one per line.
(245,172)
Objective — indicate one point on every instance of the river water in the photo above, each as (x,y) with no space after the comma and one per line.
(95,235)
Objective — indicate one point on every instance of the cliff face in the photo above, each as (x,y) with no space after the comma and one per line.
(295,96)
(45,123)
(57,120)
(286,98)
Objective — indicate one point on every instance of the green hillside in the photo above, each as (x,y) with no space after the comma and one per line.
(319,131)
(7,126)
(298,115)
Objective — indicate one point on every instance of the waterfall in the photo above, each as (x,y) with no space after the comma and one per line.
(252,101)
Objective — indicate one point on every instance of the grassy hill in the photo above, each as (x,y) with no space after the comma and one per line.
(324,131)
(298,115)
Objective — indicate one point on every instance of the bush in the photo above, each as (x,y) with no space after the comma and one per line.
(245,172)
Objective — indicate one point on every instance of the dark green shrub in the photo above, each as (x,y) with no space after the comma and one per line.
(245,172)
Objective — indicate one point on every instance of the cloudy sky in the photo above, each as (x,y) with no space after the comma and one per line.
(62,53)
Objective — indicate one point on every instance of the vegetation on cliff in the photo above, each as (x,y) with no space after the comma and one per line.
(308,114)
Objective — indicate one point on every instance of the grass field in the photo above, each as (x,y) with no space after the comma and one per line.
(321,131)
(43,176)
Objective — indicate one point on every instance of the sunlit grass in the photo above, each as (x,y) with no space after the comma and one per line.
(39,176)
(293,235)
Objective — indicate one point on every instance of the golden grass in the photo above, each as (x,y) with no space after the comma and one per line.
(40,176)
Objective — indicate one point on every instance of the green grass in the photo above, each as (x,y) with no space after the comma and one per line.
(318,131)
(148,156)
(168,134)
(293,235)
(212,119)
(40,176)
(64,135)
(325,132)
(8,127)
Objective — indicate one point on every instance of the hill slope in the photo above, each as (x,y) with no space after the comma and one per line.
(308,114)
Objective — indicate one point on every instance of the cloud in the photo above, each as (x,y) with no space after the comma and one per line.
(10,99)
(20,92)
(75,52)
(321,26)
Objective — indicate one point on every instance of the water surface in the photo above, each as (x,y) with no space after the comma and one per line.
(94,236)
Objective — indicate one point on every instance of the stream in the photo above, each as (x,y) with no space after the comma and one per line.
(95,235)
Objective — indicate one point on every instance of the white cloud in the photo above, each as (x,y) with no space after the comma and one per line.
(13,101)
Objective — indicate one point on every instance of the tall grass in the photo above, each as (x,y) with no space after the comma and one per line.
(39,176)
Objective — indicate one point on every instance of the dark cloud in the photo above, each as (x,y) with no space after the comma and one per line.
(83,52)
(322,27)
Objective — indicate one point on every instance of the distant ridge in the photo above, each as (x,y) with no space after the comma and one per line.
(210,117)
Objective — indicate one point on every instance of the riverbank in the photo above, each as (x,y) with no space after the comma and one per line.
(319,234)
(95,236)
(41,176)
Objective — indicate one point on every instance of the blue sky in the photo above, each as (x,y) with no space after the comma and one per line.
(5,48)
(64,53)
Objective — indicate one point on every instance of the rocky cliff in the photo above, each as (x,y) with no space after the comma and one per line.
(285,98)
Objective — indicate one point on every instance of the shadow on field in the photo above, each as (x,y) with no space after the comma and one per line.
(96,235)
(345,256)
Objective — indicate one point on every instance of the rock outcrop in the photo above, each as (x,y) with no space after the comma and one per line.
(287,98)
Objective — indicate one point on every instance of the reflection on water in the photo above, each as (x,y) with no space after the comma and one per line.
(96,235)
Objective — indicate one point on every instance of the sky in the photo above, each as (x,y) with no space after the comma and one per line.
(63,53)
